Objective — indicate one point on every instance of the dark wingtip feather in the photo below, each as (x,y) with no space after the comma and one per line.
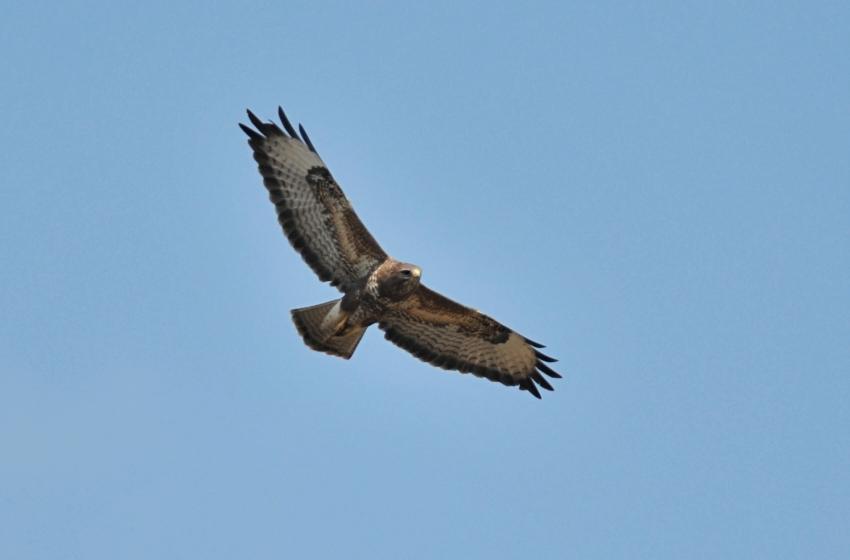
(267,128)
(253,134)
(306,139)
(535,344)
(286,124)
(528,385)
(542,381)
(547,370)
(274,129)
(255,120)
(544,357)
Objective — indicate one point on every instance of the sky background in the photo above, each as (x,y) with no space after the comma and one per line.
(661,194)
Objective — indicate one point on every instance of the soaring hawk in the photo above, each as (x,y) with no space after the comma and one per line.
(321,225)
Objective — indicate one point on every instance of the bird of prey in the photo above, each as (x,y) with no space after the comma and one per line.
(320,224)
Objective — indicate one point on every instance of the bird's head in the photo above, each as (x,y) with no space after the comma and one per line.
(400,280)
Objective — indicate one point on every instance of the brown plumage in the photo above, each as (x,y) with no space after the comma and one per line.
(321,225)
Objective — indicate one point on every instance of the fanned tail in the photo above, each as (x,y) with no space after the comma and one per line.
(323,329)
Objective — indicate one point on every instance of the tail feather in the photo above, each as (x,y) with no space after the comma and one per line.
(319,324)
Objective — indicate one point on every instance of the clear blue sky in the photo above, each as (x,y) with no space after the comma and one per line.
(661,194)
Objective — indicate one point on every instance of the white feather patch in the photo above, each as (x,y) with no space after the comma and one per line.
(333,319)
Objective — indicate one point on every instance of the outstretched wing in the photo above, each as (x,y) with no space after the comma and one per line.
(313,211)
(448,335)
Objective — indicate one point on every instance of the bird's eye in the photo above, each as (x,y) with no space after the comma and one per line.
(405,273)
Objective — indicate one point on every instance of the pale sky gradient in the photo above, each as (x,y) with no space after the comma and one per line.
(661,194)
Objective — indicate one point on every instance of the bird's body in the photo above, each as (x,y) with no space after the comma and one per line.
(388,287)
(321,224)
(385,289)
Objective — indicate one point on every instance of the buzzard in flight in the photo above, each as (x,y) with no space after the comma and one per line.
(321,225)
